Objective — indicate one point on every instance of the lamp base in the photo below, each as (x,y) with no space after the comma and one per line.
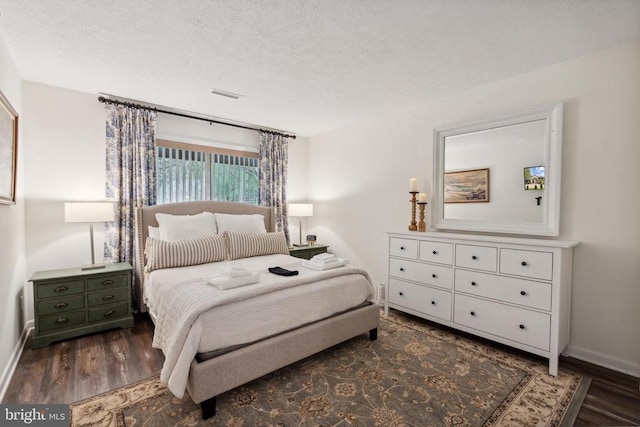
(93,266)
(300,245)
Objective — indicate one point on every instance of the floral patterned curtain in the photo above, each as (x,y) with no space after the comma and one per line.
(131,176)
(272,176)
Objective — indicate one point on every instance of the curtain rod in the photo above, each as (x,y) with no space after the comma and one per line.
(104,100)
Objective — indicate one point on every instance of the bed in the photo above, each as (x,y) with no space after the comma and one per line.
(280,320)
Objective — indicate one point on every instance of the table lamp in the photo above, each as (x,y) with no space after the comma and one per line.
(300,210)
(89,212)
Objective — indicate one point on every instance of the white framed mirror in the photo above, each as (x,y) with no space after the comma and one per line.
(500,174)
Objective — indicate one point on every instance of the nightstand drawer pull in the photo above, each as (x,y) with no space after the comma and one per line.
(61,305)
(107,282)
(523,293)
(61,289)
(62,320)
(401,294)
(523,263)
(433,303)
(402,248)
(521,326)
(108,297)
(474,257)
(435,252)
(109,313)
(434,275)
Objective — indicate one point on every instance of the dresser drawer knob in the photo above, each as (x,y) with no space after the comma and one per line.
(401,294)
(435,252)
(473,313)
(108,297)
(109,313)
(107,282)
(523,263)
(61,305)
(433,303)
(523,293)
(62,320)
(473,283)
(434,276)
(401,268)
(521,326)
(402,248)
(61,289)
(474,257)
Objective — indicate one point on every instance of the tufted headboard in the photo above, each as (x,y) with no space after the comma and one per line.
(146,216)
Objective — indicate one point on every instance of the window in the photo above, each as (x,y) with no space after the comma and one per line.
(188,172)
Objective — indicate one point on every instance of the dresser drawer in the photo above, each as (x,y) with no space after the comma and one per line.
(108,297)
(436,252)
(108,312)
(537,265)
(424,299)
(60,305)
(405,248)
(60,321)
(107,282)
(508,289)
(430,274)
(516,324)
(56,289)
(477,257)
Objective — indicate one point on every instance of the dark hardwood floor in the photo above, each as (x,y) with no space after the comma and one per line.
(75,369)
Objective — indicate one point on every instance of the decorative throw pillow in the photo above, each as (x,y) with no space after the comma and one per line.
(253,223)
(244,245)
(180,227)
(181,253)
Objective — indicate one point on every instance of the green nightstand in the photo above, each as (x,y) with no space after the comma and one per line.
(307,252)
(72,302)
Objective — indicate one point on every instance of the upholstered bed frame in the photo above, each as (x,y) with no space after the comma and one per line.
(217,375)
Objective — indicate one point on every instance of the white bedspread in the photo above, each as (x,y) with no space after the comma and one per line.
(179,328)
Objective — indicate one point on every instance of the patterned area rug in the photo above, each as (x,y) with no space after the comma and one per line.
(414,375)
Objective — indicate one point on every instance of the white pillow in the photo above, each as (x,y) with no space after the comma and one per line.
(241,223)
(154,232)
(180,227)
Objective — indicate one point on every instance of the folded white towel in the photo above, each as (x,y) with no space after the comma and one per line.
(234,269)
(226,282)
(320,259)
(338,262)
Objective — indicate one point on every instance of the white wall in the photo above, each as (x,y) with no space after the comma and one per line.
(13,271)
(358,180)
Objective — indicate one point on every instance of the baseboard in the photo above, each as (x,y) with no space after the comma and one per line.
(603,360)
(7,374)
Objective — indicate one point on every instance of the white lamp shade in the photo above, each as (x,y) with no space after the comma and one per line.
(89,212)
(300,209)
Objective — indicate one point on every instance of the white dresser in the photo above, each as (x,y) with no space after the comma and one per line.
(515,291)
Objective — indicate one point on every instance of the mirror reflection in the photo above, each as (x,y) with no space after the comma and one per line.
(484,173)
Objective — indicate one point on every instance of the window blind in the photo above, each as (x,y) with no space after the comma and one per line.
(190,172)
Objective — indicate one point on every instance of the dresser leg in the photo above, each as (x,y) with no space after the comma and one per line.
(553,366)
(373,334)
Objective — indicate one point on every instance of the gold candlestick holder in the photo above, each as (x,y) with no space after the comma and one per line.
(422,226)
(413,226)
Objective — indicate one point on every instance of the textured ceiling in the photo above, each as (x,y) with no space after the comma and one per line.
(301,66)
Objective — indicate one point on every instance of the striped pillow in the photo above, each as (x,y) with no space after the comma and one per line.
(244,245)
(180,253)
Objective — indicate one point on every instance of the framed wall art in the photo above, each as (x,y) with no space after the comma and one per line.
(8,151)
(468,186)
(534,178)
